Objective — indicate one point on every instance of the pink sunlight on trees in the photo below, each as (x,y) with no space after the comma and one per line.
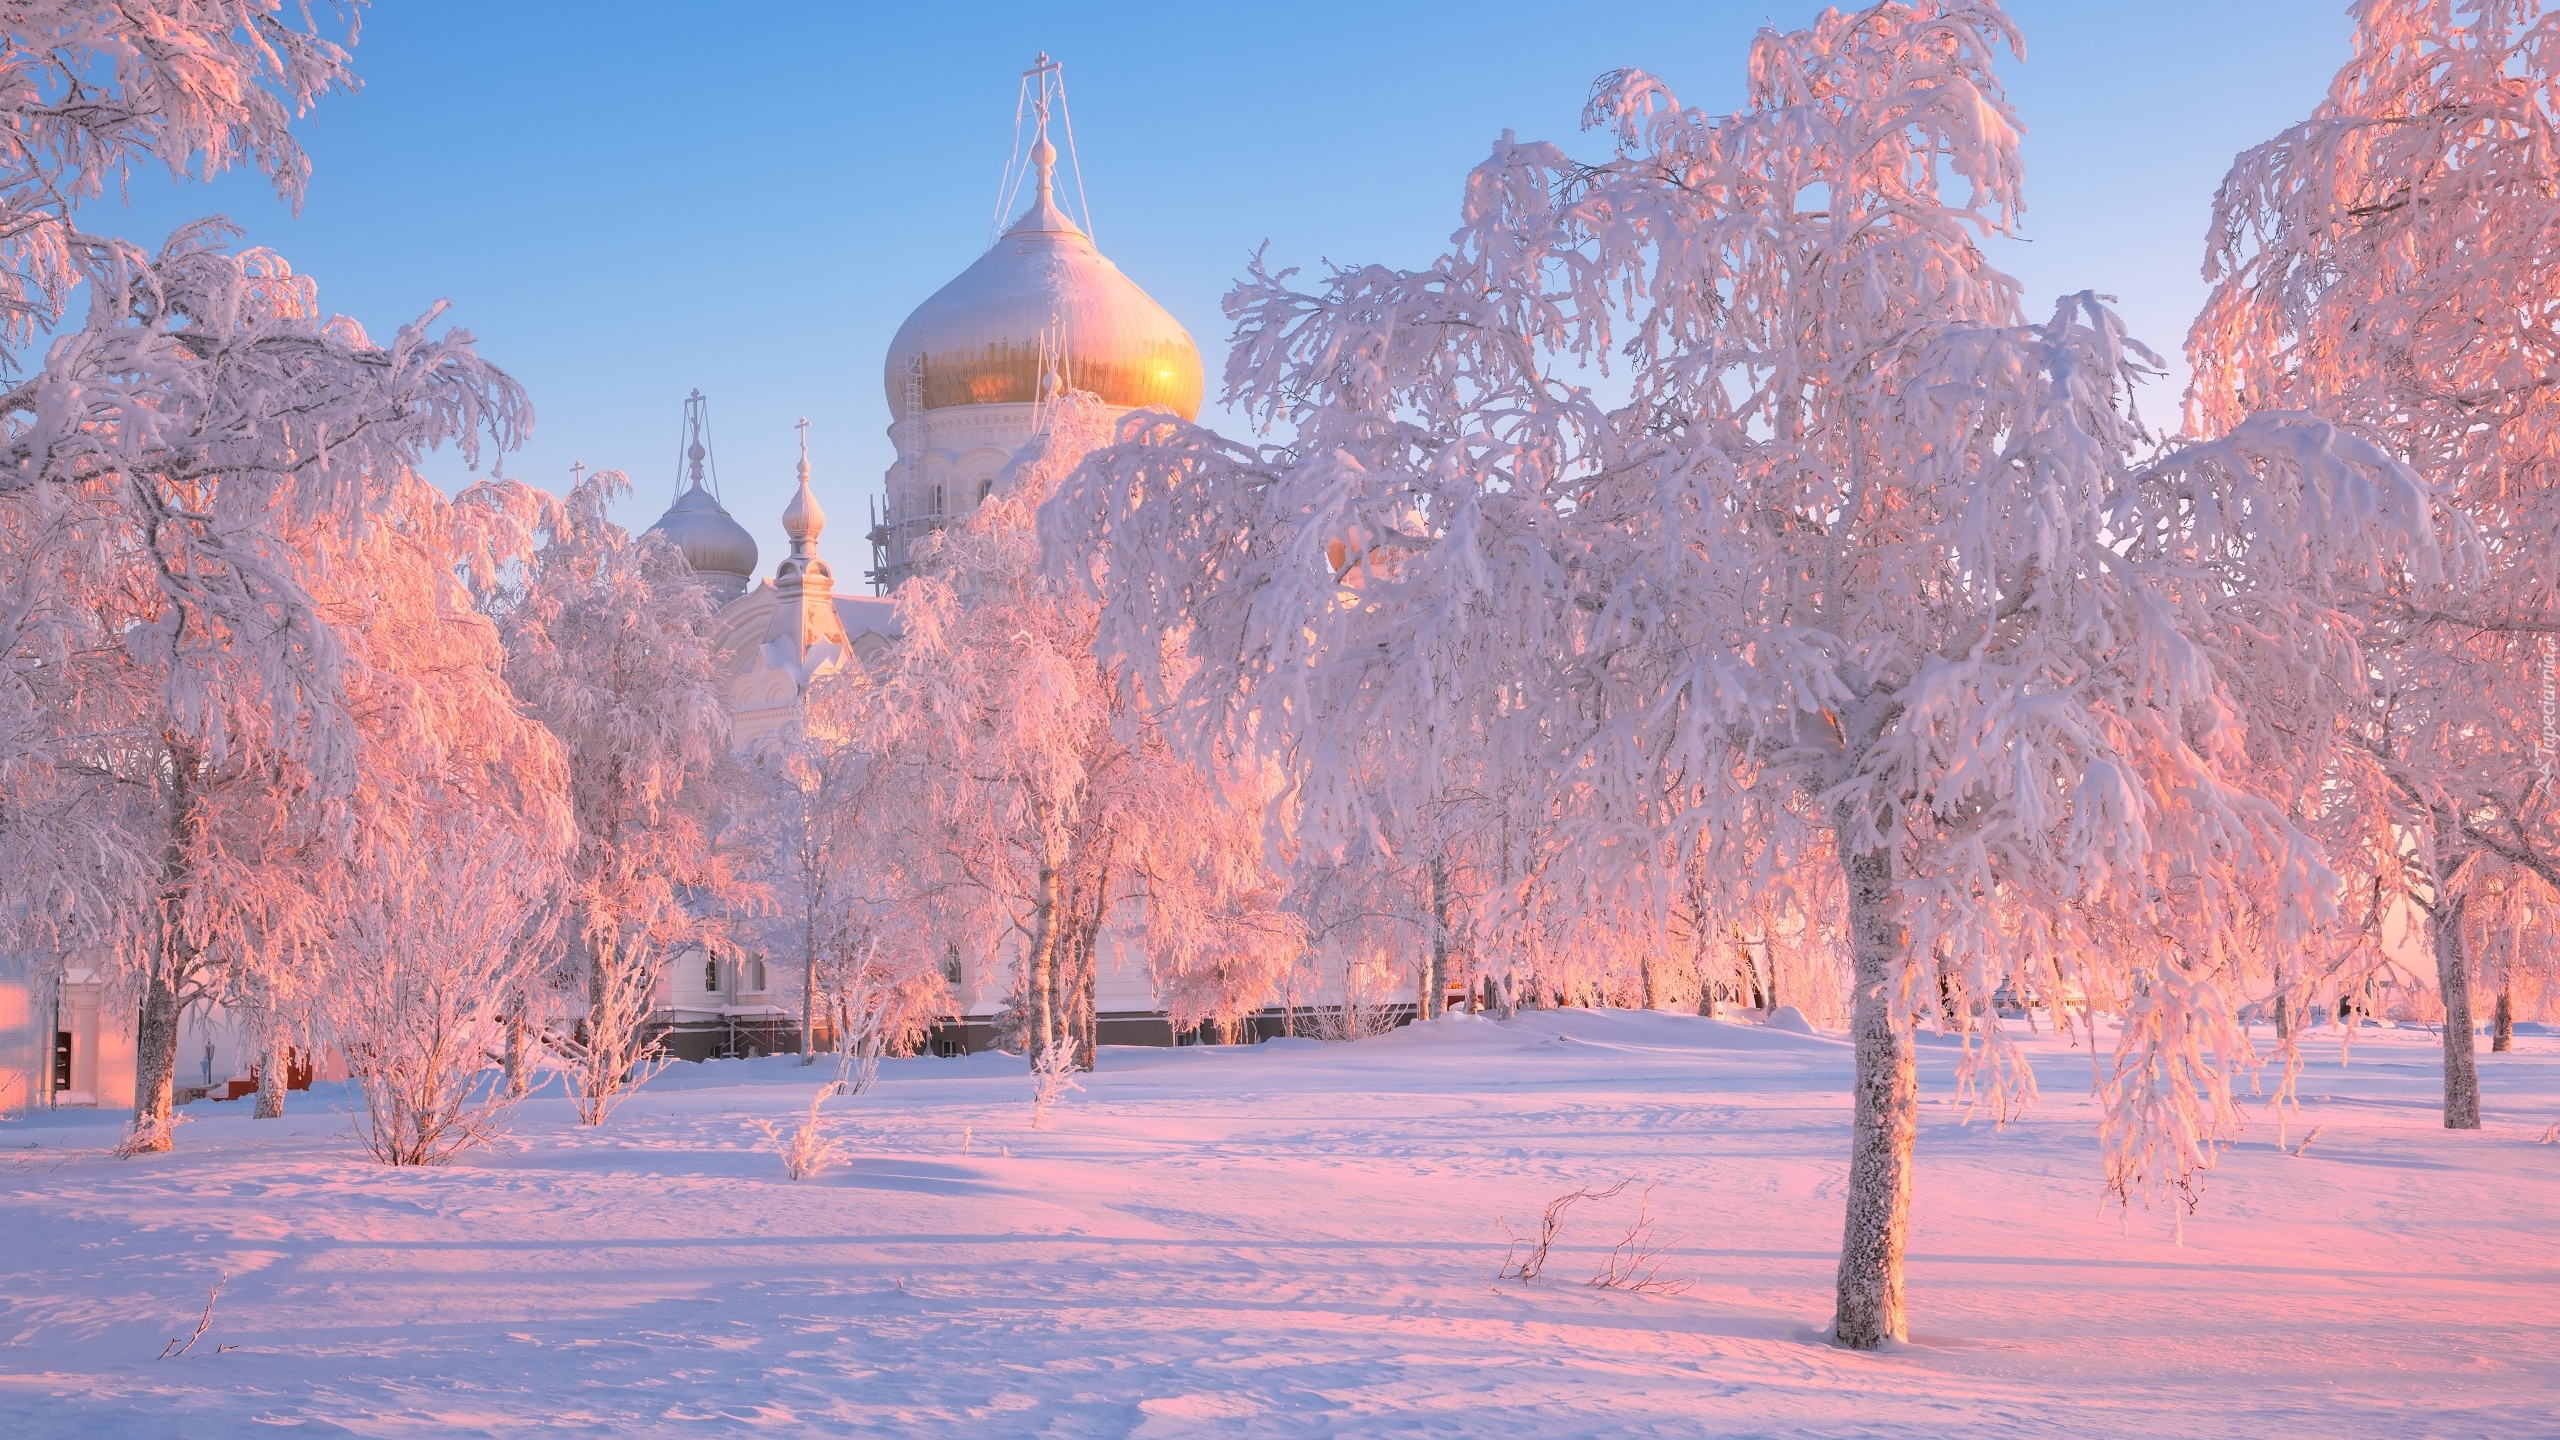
(1863,544)
(1708,588)
(2387,264)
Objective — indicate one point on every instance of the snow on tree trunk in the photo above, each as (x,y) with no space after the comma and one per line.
(155,1062)
(2453,981)
(1042,962)
(275,1057)
(2502,1037)
(1885,1115)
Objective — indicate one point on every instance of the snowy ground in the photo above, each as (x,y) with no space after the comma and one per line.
(1294,1240)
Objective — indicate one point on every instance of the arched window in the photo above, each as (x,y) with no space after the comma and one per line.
(937,499)
(711,975)
(986,487)
(759,974)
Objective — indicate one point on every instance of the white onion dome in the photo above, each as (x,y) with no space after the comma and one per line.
(981,338)
(717,547)
(803,521)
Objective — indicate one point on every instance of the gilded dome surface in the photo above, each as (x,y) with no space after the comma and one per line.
(713,543)
(980,338)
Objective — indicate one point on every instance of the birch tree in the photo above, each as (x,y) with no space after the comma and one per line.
(1861,541)
(2387,263)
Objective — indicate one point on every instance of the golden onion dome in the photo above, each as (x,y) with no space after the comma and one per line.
(1042,289)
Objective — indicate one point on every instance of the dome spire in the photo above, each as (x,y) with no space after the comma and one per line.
(805,637)
(721,552)
(1044,85)
(802,520)
(697,448)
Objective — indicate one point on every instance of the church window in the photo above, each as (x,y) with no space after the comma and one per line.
(711,975)
(937,499)
(986,487)
(951,965)
(759,974)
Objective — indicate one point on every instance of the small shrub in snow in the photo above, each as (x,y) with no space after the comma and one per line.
(805,1148)
(1052,1076)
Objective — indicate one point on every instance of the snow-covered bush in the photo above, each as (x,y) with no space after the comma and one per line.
(422,956)
(805,1147)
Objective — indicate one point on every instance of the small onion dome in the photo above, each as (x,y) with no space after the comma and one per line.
(980,339)
(717,547)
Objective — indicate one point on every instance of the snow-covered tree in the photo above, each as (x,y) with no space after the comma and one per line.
(2387,264)
(1860,542)
(226,443)
(175,477)
(1041,808)
(608,640)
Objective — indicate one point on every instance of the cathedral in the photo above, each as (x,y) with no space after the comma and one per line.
(969,377)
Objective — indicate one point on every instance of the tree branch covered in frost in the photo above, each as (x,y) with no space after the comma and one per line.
(92,90)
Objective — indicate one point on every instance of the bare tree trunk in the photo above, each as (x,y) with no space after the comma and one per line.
(155,1042)
(519,1060)
(809,992)
(1886,1118)
(2453,982)
(2502,1034)
(1042,961)
(1435,979)
(1088,1018)
(275,1061)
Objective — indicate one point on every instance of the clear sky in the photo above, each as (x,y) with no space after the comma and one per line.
(626,200)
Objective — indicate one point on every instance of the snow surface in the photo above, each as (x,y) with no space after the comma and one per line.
(1294,1239)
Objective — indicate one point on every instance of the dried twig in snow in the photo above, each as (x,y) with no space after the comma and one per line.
(1635,1262)
(174,1349)
(1526,1269)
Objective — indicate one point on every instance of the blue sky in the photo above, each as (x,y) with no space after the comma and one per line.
(625,201)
